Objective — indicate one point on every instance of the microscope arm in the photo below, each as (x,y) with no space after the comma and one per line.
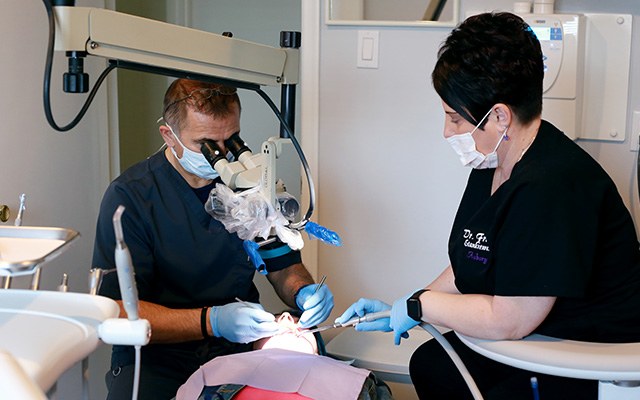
(155,46)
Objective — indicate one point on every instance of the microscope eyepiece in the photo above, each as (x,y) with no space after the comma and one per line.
(212,152)
(236,145)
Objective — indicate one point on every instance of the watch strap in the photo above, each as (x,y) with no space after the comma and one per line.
(418,293)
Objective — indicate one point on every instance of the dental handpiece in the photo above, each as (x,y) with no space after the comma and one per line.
(353,321)
(124,267)
(365,318)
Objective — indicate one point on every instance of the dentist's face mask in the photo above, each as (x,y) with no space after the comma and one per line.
(465,146)
(192,162)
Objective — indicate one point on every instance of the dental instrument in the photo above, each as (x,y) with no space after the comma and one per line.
(64,284)
(257,307)
(21,209)
(35,278)
(124,265)
(131,331)
(95,279)
(324,278)
(351,322)
(248,304)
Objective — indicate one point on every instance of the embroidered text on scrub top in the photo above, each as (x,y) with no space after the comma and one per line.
(475,241)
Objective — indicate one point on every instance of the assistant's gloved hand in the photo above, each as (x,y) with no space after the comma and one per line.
(367,306)
(316,307)
(401,322)
(240,323)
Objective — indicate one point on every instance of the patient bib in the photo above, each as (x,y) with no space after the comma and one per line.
(277,370)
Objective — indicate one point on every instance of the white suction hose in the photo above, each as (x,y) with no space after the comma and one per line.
(455,358)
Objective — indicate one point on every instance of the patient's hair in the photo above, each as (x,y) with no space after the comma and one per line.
(207,98)
(488,59)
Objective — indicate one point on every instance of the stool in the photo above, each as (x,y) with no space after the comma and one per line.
(616,366)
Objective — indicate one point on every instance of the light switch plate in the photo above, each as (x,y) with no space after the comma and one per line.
(368,47)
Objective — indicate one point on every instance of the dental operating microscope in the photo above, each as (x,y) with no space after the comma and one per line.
(188,53)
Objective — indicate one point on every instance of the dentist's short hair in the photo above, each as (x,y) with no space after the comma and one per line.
(208,98)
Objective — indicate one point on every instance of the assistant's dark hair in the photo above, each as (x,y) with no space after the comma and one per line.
(491,58)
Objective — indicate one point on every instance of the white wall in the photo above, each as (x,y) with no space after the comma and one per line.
(388,182)
(62,174)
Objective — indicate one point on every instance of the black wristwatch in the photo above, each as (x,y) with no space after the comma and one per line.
(414,308)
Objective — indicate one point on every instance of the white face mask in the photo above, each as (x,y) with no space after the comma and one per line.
(465,146)
(192,162)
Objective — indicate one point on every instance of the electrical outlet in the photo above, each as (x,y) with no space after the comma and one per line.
(635,131)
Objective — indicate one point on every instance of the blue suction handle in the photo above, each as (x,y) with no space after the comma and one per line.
(251,248)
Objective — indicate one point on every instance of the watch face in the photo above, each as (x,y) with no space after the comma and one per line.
(414,309)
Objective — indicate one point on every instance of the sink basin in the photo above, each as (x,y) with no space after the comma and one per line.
(24,248)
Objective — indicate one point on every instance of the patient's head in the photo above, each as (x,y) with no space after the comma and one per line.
(290,338)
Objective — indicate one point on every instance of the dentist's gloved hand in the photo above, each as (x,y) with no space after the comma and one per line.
(401,322)
(315,307)
(367,306)
(240,323)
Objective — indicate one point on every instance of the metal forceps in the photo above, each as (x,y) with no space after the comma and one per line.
(351,322)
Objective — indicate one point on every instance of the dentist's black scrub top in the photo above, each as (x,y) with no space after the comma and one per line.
(183,258)
(557,227)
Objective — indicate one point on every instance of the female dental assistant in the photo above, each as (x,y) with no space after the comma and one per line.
(541,243)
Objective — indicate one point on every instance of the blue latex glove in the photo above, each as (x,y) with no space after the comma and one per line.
(367,306)
(240,323)
(400,321)
(316,307)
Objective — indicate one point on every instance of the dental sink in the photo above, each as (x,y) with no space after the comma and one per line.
(24,248)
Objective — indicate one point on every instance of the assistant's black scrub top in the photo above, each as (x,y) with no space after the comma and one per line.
(557,227)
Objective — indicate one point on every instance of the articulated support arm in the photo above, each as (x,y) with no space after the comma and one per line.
(155,46)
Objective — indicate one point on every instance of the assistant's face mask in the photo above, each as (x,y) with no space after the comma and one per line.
(465,146)
(193,162)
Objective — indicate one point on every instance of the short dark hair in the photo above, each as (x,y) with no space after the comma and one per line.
(204,97)
(488,59)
